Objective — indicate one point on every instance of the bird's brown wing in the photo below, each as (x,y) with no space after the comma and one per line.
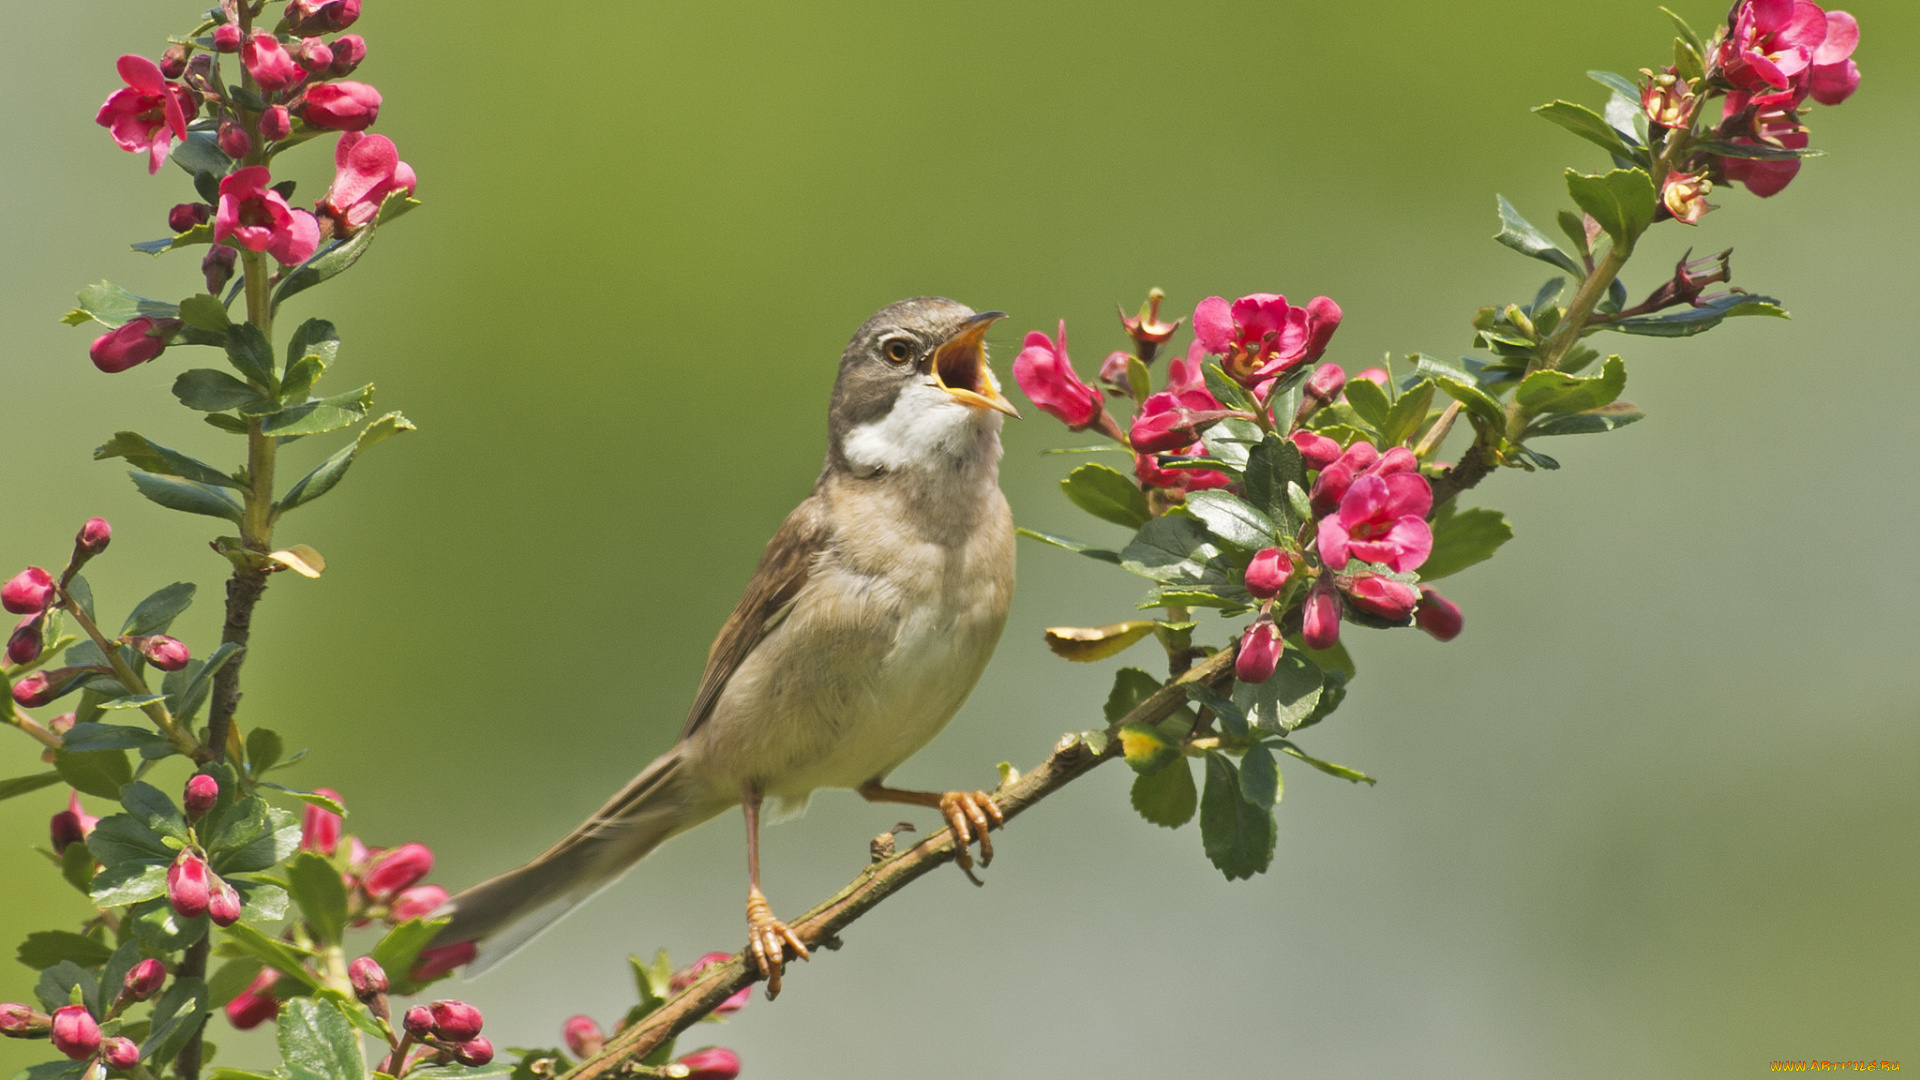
(781,575)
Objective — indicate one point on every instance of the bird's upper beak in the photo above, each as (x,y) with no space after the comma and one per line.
(960,366)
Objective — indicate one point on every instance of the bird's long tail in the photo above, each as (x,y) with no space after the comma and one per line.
(504,913)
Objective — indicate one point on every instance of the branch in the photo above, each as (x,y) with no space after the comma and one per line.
(1071,759)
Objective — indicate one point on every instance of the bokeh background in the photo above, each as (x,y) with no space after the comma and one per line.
(1653,814)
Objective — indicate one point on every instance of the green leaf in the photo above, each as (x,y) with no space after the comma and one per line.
(1622,201)
(177,1015)
(76,867)
(1409,412)
(316,887)
(1757,151)
(1259,776)
(1131,686)
(1520,235)
(1228,393)
(1271,466)
(132,701)
(1075,546)
(1606,418)
(122,838)
(1587,124)
(1173,550)
(46,948)
(57,983)
(1147,748)
(315,337)
(1107,494)
(455,1071)
(114,306)
(328,262)
(1463,538)
(1556,391)
(188,496)
(251,354)
(322,415)
(1288,697)
(154,810)
(21,785)
(1238,835)
(1369,402)
(120,963)
(58,1069)
(329,472)
(1698,320)
(1216,596)
(1166,798)
(1480,405)
(161,929)
(261,901)
(1686,33)
(1085,645)
(401,947)
(652,982)
(264,749)
(253,836)
(277,955)
(1328,767)
(205,312)
(318,1042)
(198,682)
(1231,716)
(1231,519)
(301,377)
(209,391)
(1139,382)
(156,613)
(1231,441)
(200,152)
(232,979)
(199,234)
(128,883)
(82,594)
(99,773)
(84,737)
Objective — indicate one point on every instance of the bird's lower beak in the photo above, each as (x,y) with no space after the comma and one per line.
(960,366)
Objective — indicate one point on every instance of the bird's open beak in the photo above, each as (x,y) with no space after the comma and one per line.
(960,366)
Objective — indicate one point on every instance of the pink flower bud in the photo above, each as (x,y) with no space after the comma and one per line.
(186,215)
(716,1063)
(72,825)
(234,141)
(441,959)
(275,123)
(23,1022)
(1383,596)
(217,267)
(322,16)
(1320,619)
(173,62)
(1170,420)
(189,889)
(342,106)
(202,792)
(226,38)
(476,1051)
(369,979)
(320,827)
(164,652)
(455,1021)
(94,536)
(584,1037)
(35,690)
(1046,376)
(314,55)
(1326,382)
(1337,477)
(131,345)
(398,869)
(145,980)
(1113,370)
(1268,572)
(1259,653)
(686,976)
(60,725)
(267,61)
(120,1053)
(25,644)
(416,903)
(348,51)
(256,1004)
(29,592)
(75,1033)
(1438,615)
(418,1021)
(223,903)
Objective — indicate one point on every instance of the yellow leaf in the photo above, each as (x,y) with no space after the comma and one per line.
(302,560)
(1087,644)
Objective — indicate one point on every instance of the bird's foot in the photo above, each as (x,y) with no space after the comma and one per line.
(768,941)
(970,814)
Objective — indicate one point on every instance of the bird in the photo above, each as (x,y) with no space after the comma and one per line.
(871,615)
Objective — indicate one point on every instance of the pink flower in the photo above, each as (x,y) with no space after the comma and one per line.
(1259,653)
(715,1063)
(145,979)
(268,62)
(1046,376)
(120,1053)
(1381,596)
(275,123)
(366,170)
(1317,451)
(583,1037)
(1685,196)
(35,690)
(202,792)
(1169,420)
(1771,41)
(1336,477)
(416,903)
(71,826)
(322,16)
(256,1004)
(396,870)
(149,114)
(1147,470)
(1381,519)
(320,827)
(475,1052)
(348,51)
(226,38)
(28,592)
(368,978)
(314,55)
(186,215)
(1326,382)
(75,1032)
(1438,615)
(1267,574)
(94,536)
(131,345)
(1667,100)
(164,653)
(1765,178)
(189,885)
(1320,618)
(685,977)
(258,218)
(342,106)
(27,642)
(223,903)
(455,1021)
(1261,336)
(1833,77)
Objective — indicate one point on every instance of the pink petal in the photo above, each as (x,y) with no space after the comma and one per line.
(176,117)
(142,74)
(1769,178)
(1324,316)
(1807,30)
(1213,325)
(1765,70)
(403,178)
(1364,501)
(1333,541)
(1770,15)
(297,242)
(1408,493)
(1835,83)
(1414,539)
(157,154)
(1843,36)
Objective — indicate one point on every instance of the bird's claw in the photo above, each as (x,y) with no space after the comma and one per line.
(970,814)
(768,941)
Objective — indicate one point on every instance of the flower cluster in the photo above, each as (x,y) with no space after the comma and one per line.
(75,1030)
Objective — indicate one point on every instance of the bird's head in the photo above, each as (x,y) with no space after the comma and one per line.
(915,389)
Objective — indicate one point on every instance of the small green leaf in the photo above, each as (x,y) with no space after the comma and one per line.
(199,681)
(1687,33)
(1233,719)
(145,454)
(151,807)
(1147,748)
(1369,402)
(1520,235)
(328,262)
(209,391)
(315,337)
(1131,686)
(1757,151)
(132,701)
(264,749)
(46,948)
(21,785)
(317,1042)
(1606,418)
(251,354)
(1284,700)
(1139,382)
(1328,767)
(1482,407)
(1409,412)
(1699,320)
(1622,201)
(161,929)
(1107,494)
(1271,466)
(1463,538)
(114,306)
(277,955)
(329,472)
(205,312)
(76,867)
(156,613)
(316,887)
(1232,519)
(1228,393)
(1084,645)
(1555,391)
(301,377)
(199,234)
(1166,798)
(1075,546)
(1587,124)
(200,152)
(1173,550)
(1238,835)
(1259,776)
(187,496)
(129,883)
(121,838)
(100,773)
(322,415)
(401,947)
(57,984)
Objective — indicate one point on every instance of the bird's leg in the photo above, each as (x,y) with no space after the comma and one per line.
(768,939)
(967,813)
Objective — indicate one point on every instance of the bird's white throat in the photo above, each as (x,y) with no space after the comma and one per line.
(926,428)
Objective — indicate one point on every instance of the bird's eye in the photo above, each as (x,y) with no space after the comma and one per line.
(899,351)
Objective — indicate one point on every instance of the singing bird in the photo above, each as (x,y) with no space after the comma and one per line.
(872,614)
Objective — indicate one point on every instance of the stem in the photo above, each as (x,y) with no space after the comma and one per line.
(157,712)
(30,726)
(1071,759)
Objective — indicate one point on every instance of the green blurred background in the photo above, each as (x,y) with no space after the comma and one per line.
(1654,813)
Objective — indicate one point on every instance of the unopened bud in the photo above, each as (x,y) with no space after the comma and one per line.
(217,267)
(65,830)
(716,1063)
(234,140)
(75,1033)
(186,215)
(1259,653)
(23,1022)
(25,644)
(226,38)
(416,903)
(322,16)
(418,1021)
(223,903)
(348,51)
(145,980)
(686,976)
(133,344)
(584,1037)
(199,71)
(313,54)
(1325,384)
(93,536)
(1438,615)
(163,652)
(442,959)
(398,869)
(1113,370)
(275,123)
(120,1053)
(189,889)
(202,792)
(1383,596)
(476,1051)
(1267,574)
(28,592)
(1374,375)
(320,827)
(35,690)
(369,979)
(1320,618)
(1316,450)
(455,1021)
(173,62)
(256,1004)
